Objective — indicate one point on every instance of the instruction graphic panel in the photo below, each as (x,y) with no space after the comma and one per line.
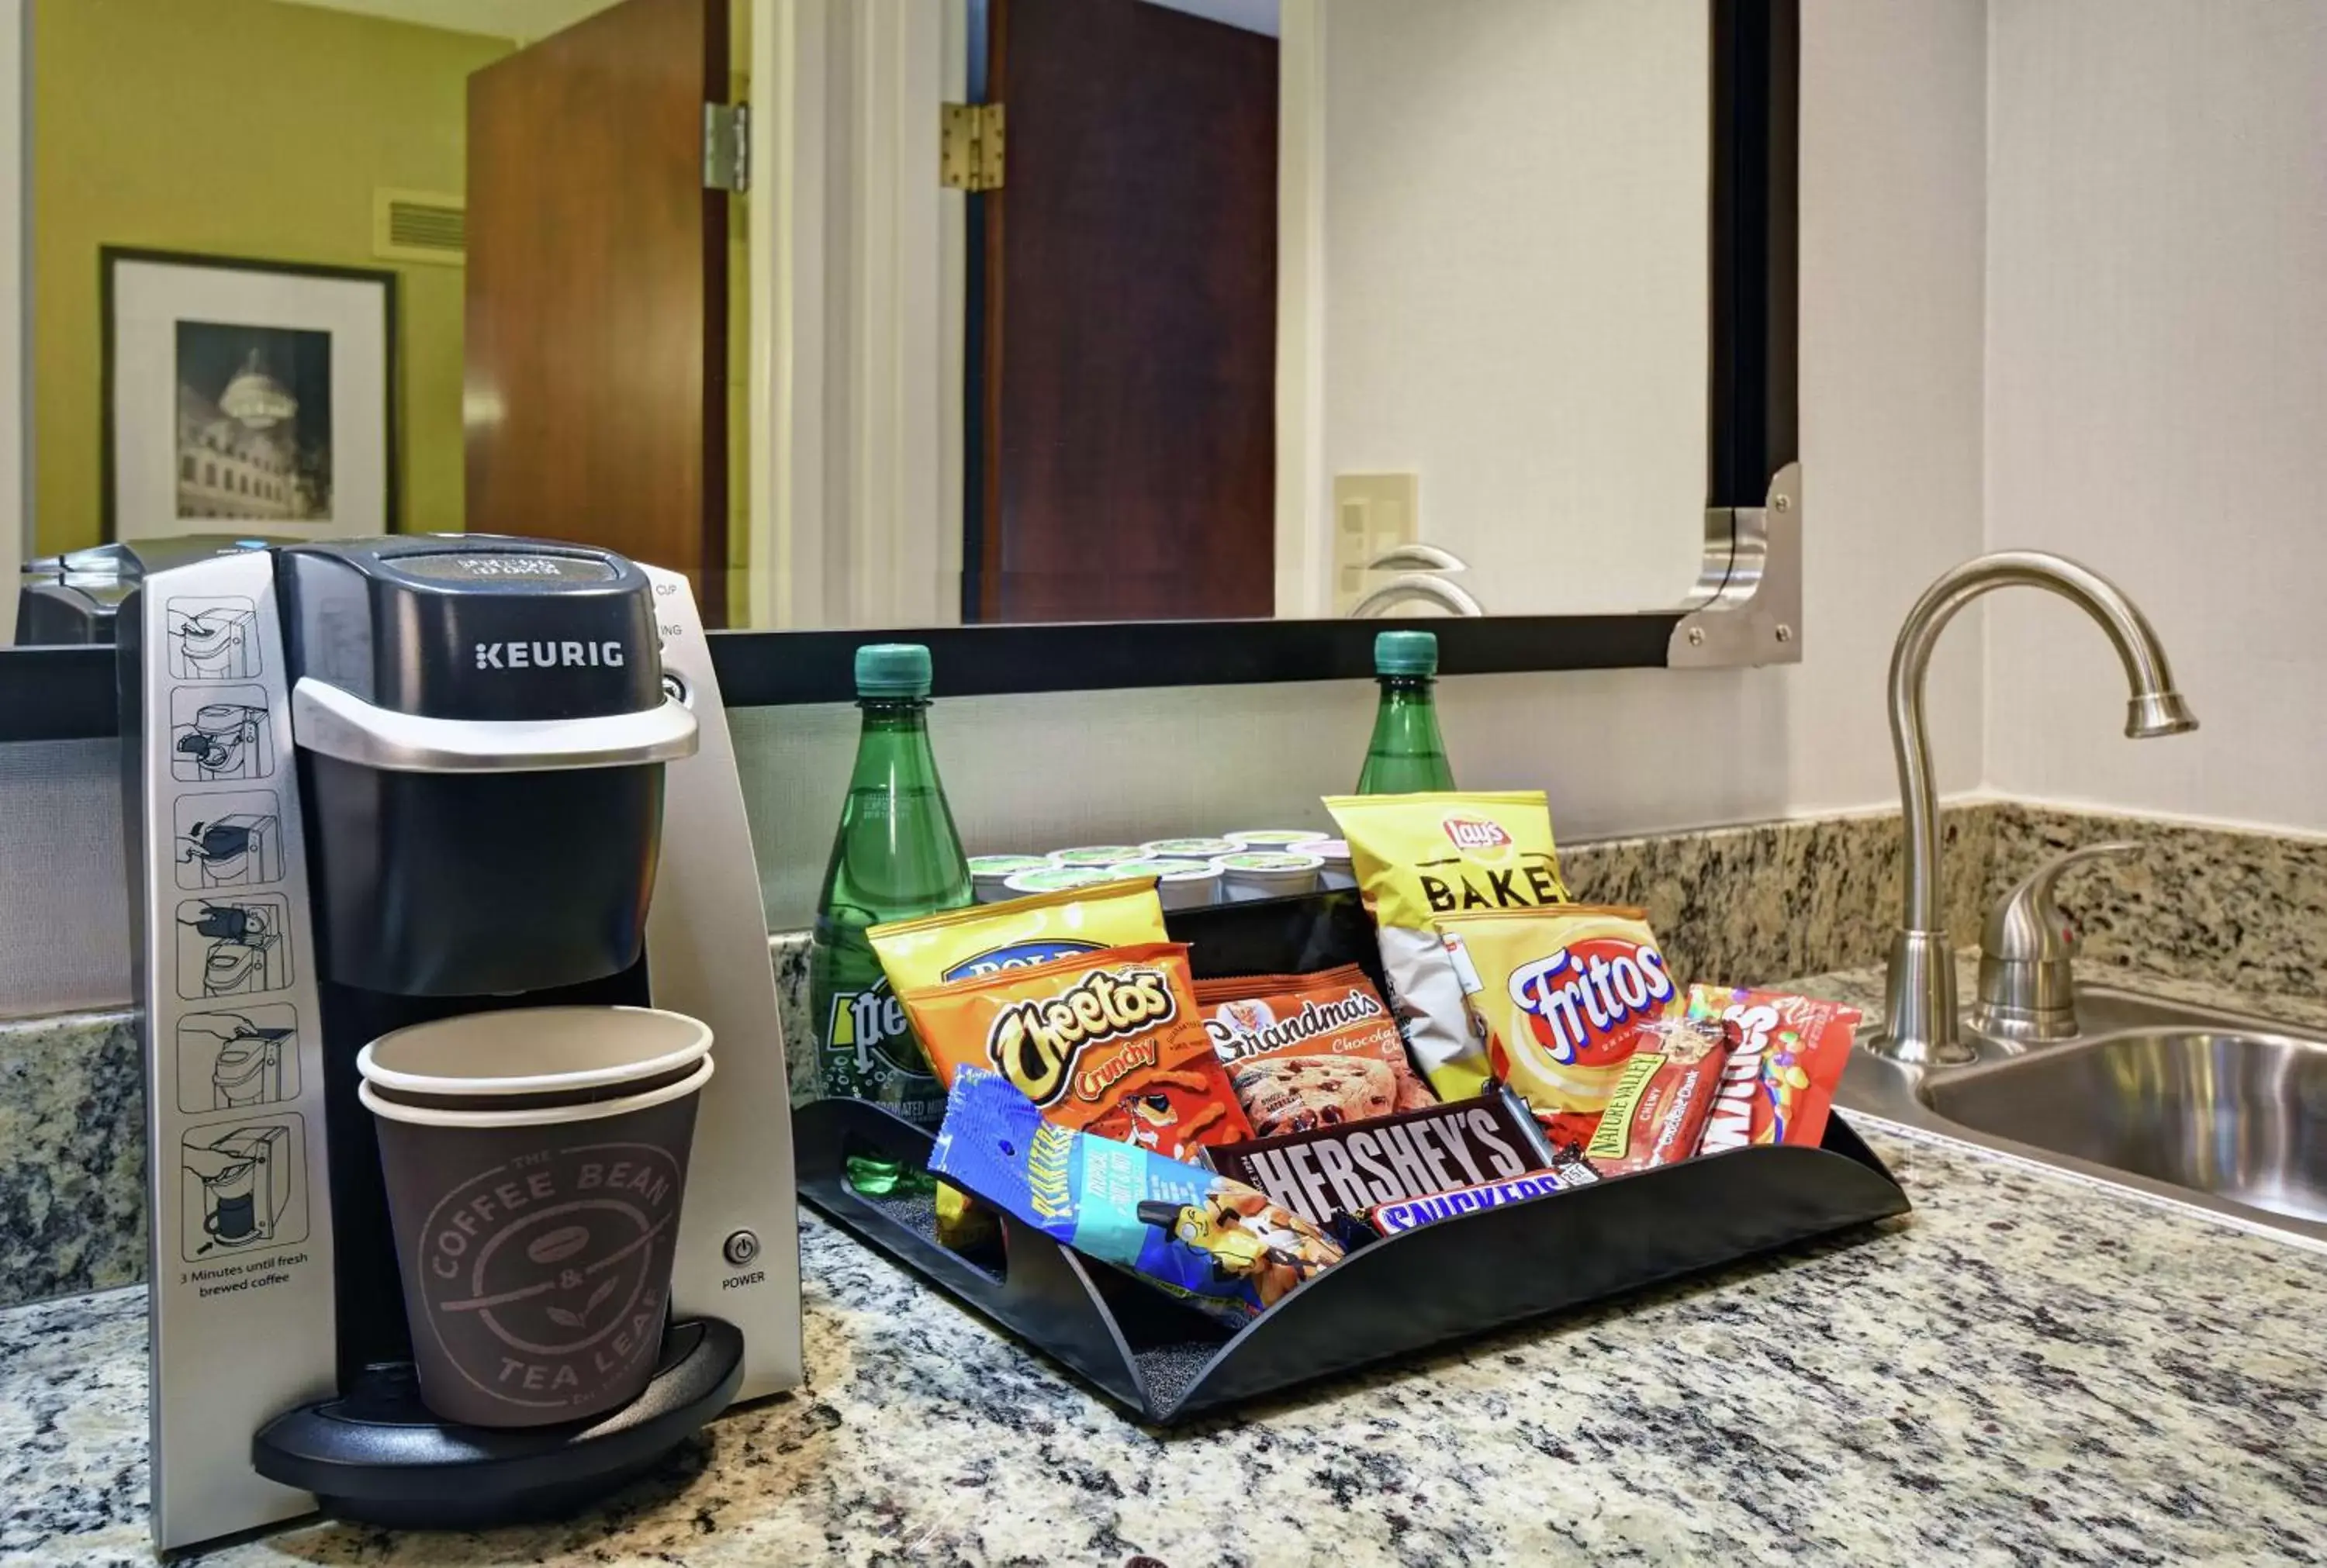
(212,639)
(221,732)
(245,1187)
(233,945)
(228,839)
(232,1058)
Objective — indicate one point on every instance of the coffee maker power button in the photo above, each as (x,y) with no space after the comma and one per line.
(741,1248)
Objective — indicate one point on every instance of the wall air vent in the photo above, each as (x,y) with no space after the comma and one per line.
(419,226)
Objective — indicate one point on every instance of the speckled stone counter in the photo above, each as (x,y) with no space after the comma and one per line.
(72,1154)
(2028,1370)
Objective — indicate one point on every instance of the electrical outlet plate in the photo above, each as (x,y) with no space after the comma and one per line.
(1372,512)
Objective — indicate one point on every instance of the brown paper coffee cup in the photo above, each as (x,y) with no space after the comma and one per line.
(535,1247)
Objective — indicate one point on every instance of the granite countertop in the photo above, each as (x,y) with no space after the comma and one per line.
(2027,1369)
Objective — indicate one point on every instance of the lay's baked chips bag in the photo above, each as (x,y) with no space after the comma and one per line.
(1419,857)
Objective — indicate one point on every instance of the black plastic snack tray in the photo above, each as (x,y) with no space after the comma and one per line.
(1424,1288)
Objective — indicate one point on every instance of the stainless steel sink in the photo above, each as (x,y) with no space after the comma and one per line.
(2222,1112)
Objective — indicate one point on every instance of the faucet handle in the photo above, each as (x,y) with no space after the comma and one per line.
(2025,926)
(1417,557)
(2027,986)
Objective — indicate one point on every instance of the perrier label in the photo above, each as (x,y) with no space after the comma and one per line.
(870,1053)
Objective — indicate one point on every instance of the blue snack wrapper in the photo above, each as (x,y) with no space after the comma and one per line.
(1221,1244)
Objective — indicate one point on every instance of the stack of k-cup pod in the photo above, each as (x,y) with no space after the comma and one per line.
(535,1159)
(1266,865)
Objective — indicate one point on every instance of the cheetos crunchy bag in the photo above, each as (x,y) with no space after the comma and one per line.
(1421,857)
(953,945)
(1108,1042)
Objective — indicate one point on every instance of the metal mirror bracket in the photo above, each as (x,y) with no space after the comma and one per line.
(1747,606)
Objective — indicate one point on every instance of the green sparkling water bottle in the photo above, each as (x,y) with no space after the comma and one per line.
(895,857)
(1406,754)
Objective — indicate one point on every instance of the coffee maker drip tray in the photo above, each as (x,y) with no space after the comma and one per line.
(376,1455)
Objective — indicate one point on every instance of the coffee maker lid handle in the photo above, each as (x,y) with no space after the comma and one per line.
(337,724)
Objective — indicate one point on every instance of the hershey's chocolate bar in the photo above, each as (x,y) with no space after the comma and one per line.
(1358,1166)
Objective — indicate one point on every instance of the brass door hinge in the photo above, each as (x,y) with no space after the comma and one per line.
(727,147)
(969,155)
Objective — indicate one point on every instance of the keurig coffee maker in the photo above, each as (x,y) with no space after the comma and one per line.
(461,774)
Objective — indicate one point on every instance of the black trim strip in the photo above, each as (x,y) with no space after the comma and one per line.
(1754,378)
(57,694)
(762,668)
(65,693)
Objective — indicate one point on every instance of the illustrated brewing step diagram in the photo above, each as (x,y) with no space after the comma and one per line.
(221,732)
(229,1059)
(245,1186)
(233,840)
(233,946)
(212,639)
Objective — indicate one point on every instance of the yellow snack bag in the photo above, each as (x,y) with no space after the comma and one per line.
(920,954)
(1563,996)
(1419,857)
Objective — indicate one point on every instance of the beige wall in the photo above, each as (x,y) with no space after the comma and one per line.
(2158,392)
(246,129)
(1515,286)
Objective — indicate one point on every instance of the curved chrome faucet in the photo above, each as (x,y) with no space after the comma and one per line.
(1408,585)
(1920,994)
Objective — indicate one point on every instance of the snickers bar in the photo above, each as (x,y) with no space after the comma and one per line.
(1413,1213)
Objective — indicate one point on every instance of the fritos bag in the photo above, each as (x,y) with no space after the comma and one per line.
(1563,994)
(1418,857)
(1788,1056)
(1309,1050)
(1106,1043)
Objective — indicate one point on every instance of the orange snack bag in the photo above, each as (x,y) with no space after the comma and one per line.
(1310,1050)
(1105,1042)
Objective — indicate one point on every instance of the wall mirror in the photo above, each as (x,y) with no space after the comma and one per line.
(1006,321)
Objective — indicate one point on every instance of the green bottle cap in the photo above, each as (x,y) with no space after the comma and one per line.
(893,669)
(1405,653)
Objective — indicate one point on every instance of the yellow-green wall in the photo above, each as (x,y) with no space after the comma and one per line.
(238,127)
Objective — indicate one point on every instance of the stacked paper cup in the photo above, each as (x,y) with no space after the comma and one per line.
(535,1159)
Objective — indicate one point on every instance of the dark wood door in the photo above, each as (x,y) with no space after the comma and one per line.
(596,384)
(1127,410)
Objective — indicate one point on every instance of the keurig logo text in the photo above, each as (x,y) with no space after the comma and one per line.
(546,1276)
(549,655)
